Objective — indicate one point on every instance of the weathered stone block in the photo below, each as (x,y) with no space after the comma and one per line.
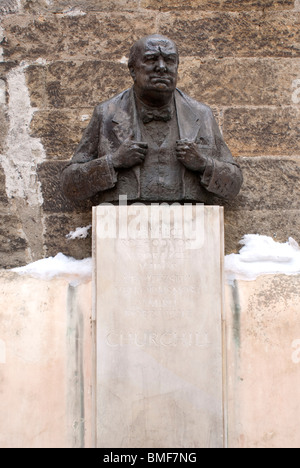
(4,122)
(276,223)
(4,125)
(35,80)
(5,67)
(54,201)
(83,84)
(234,34)
(13,245)
(236,82)
(57,226)
(3,196)
(60,131)
(257,4)
(233,5)
(83,5)
(263,130)
(269,184)
(56,37)
(8,6)
(223,82)
(166,5)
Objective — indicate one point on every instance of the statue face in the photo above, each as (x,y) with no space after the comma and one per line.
(156,66)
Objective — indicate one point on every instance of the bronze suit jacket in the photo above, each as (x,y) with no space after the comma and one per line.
(91,172)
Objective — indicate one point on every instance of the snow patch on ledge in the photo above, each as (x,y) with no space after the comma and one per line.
(261,255)
(60,266)
(74,12)
(79,233)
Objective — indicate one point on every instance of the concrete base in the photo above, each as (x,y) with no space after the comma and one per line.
(158,305)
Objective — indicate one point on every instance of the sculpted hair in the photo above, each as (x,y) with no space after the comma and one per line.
(135,49)
(133,54)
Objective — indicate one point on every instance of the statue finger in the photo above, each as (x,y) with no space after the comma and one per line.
(181,150)
(183,146)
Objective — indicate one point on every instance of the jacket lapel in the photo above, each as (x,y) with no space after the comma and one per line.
(125,123)
(188,122)
(125,120)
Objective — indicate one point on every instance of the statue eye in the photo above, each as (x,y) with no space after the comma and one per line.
(150,58)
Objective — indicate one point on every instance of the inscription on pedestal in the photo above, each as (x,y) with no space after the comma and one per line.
(159,297)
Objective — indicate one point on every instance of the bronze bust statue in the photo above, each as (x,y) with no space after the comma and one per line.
(152,142)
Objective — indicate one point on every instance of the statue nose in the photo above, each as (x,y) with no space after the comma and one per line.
(161,65)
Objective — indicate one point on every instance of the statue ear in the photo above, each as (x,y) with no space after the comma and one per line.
(132,73)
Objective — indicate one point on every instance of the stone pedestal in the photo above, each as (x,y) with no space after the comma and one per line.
(158,285)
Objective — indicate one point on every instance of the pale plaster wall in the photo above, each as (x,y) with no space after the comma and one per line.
(45,363)
(263,362)
(46,351)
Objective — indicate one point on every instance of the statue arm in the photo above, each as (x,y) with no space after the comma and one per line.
(87,174)
(224,179)
(222,175)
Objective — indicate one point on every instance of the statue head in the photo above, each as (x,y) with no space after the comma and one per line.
(153,65)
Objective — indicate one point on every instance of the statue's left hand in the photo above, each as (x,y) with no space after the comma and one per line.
(189,154)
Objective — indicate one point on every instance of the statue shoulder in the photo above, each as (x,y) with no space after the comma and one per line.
(109,107)
(198,108)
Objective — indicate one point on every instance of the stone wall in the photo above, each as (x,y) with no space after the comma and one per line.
(60,58)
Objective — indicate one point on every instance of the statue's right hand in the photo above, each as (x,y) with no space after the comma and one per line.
(130,153)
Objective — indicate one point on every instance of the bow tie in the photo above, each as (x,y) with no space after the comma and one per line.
(149,115)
